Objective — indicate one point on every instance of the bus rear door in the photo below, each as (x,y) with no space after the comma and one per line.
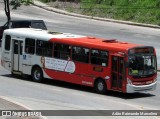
(117,72)
(17,55)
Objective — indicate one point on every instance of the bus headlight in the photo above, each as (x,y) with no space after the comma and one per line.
(129,81)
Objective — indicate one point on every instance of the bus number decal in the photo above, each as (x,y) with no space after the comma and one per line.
(60,65)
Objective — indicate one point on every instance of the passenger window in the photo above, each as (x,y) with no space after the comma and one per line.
(99,57)
(44,48)
(15,46)
(7,42)
(30,46)
(80,54)
(62,51)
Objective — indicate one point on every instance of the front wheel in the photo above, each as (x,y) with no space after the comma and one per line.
(100,86)
(37,74)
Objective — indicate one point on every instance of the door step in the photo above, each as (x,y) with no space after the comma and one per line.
(17,72)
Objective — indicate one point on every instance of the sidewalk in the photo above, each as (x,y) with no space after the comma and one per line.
(47,7)
(6,105)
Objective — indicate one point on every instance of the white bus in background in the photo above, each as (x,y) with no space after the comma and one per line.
(24,49)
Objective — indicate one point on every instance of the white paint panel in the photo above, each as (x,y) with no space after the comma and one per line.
(26,69)
(15,62)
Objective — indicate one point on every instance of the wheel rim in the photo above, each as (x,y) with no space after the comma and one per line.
(100,86)
(37,74)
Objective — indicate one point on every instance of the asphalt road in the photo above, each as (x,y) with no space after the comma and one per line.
(59,95)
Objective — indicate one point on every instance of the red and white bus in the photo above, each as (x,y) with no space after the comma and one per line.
(105,64)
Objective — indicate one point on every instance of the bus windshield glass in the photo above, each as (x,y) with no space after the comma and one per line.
(142,64)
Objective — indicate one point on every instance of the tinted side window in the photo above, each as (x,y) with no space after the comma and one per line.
(21,24)
(62,51)
(30,45)
(39,25)
(99,57)
(80,54)
(44,48)
(6,25)
(7,42)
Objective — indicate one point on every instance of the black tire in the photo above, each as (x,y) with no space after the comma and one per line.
(100,86)
(37,74)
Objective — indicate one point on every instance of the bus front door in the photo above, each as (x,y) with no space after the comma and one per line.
(17,55)
(117,73)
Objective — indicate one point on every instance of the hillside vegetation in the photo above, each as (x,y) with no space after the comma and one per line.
(142,11)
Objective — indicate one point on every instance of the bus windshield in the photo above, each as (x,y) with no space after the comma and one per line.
(142,65)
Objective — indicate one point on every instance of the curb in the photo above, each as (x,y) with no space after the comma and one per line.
(47,7)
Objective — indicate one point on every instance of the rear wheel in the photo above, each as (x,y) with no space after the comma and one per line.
(37,74)
(100,86)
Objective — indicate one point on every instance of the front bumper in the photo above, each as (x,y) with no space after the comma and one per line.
(134,88)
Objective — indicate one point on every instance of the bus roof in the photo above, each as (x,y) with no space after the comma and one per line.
(38,33)
(69,38)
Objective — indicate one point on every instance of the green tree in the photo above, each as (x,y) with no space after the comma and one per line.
(15,4)
(7,9)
